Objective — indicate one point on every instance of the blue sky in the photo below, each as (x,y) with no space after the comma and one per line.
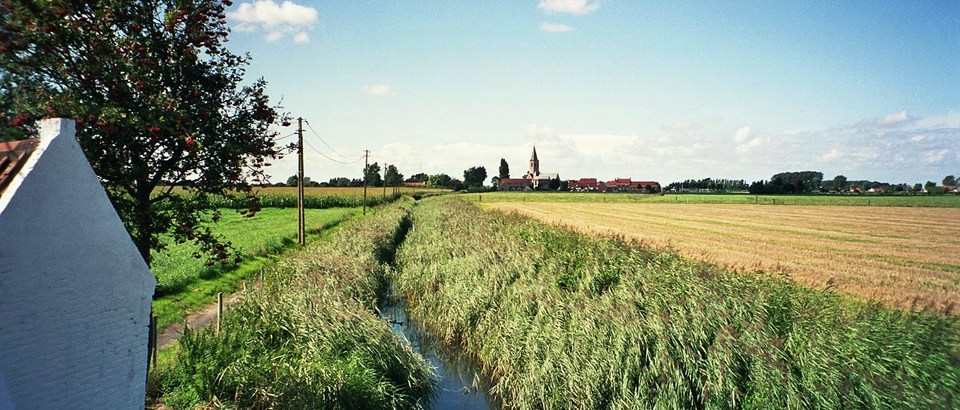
(649,90)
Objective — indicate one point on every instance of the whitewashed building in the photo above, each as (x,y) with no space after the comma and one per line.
(74,292)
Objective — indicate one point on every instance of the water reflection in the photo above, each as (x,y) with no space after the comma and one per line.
(459,383)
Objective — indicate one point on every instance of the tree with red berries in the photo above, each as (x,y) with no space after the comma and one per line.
(162,113)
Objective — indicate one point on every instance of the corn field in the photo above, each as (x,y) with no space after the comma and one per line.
(558,319)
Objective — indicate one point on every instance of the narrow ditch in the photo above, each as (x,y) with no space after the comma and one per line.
(460,384)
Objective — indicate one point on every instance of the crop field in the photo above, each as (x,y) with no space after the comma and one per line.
(899,256)
(318,197)
(937,201)
(559,319)
(343,191)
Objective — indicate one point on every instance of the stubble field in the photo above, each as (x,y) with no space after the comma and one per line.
(905,257)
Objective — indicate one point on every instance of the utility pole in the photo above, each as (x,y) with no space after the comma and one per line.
(301,232)
(384,179)
(366,159)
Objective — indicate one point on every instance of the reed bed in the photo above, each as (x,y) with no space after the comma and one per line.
(309,337)
(903,257)
(558,319)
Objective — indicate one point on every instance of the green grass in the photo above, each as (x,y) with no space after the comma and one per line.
(939,201)
(560,320)
(309,337)
(185,283)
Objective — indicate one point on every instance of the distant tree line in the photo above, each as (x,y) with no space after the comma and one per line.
(812,181)
(789,183)
(473,178)
(708,185)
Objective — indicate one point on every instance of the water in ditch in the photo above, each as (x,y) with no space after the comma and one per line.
(459,382)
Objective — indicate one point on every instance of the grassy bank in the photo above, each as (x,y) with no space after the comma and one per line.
(563,320)
(309,338)
(185,283)
(938,201)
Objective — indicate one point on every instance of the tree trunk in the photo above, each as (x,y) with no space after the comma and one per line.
(144,221)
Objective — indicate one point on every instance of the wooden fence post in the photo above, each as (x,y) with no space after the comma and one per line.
(152,343)
(219,310)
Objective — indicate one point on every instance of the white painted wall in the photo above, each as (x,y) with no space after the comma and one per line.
(74,292)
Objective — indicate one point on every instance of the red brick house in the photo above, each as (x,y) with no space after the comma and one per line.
(616,185)
(586,184)
(644,186)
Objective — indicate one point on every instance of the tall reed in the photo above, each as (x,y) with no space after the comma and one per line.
(561,320)
(309,337)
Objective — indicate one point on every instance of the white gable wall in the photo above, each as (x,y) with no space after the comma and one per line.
(74,292)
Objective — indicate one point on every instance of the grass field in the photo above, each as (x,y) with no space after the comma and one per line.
(904,257)
(184,283)
(938,201)
(563,320)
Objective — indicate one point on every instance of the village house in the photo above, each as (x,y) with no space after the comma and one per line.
(533,179)
(74,292)
(616,185)
(586,185)
(515,184)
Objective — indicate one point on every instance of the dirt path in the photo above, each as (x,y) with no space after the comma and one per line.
(196,320)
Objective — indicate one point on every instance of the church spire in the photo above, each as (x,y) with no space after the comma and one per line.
(534,169)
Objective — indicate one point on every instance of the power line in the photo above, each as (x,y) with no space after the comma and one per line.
(332,159)
(286,136)
(323,141)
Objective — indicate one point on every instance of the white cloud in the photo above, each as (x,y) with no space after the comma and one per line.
(377,89)
(900,152)
(275,19)
(273,36)
(833,155)
(948,120)
(742,135)
(746,140)
(935,156)
(577,7)
(894,118)
(555,28)
(750,145)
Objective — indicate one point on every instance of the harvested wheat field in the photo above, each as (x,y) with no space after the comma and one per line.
(906,257)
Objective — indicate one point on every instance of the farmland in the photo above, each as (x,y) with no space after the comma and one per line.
(935,201)
(559,319)
(902,257)
(555,319)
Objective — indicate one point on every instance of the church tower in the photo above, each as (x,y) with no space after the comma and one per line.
(534,164)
